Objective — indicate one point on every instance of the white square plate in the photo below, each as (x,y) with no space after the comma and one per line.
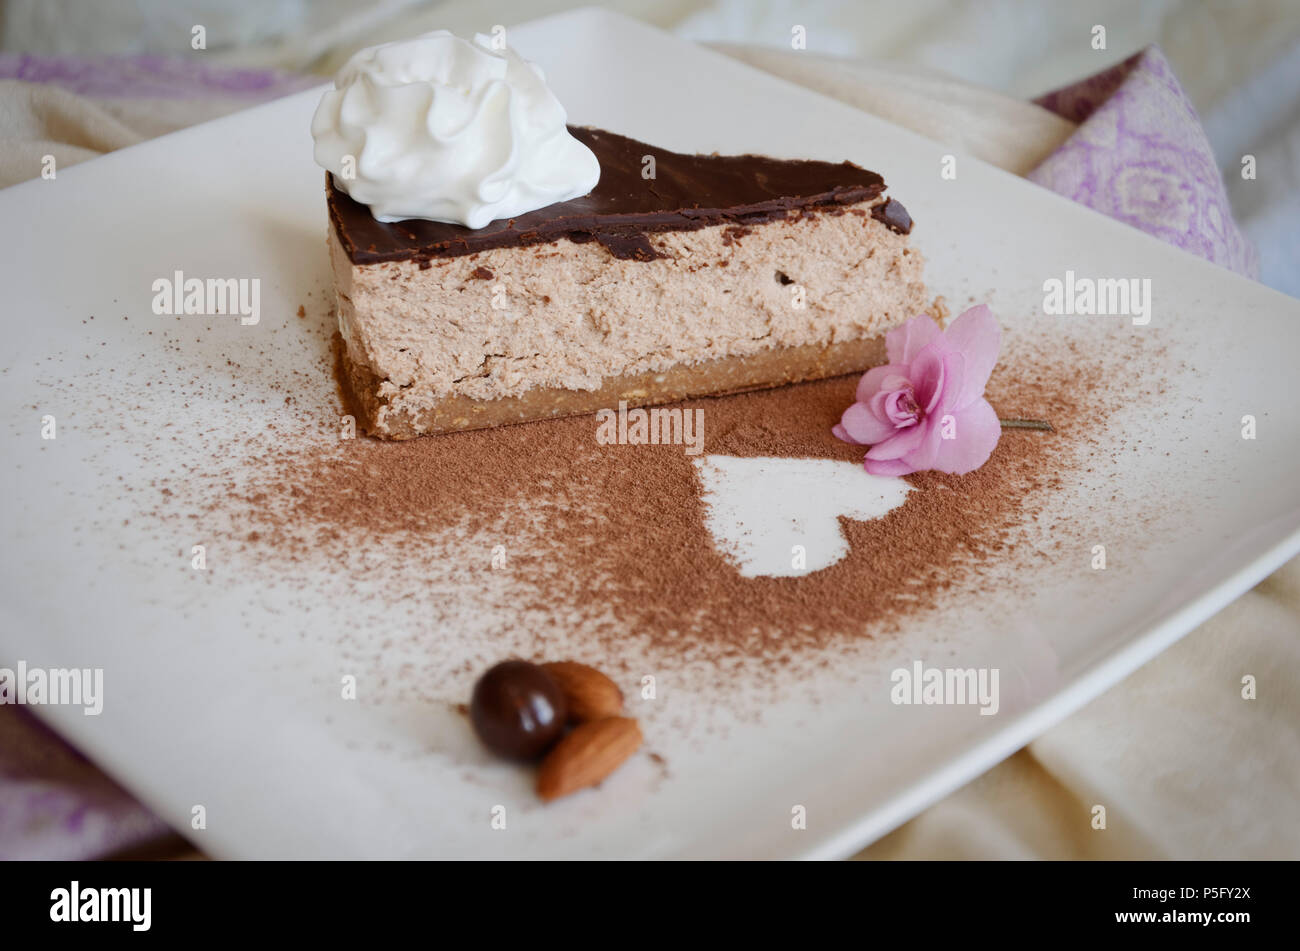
(222,690)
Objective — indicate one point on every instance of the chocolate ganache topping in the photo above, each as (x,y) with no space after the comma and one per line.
(687,192)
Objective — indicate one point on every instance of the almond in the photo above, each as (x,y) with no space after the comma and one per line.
(587,755)
(589,694)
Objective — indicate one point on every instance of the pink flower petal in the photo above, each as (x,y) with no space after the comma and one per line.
(926,450)
(872,380)
(887,467)
(863,427)
(928,376)
(977,432)
(839,433)
(977,336)
(905,341)
(902,442)
(900,409)
(954,372)
(879,404)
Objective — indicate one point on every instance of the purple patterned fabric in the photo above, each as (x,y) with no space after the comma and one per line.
(1141,156)
(152,77)
(56,804)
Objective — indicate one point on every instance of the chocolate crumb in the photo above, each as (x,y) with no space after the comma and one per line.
(893,216)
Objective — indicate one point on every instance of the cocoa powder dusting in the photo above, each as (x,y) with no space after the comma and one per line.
(611,541)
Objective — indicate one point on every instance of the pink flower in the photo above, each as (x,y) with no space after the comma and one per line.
(925,409)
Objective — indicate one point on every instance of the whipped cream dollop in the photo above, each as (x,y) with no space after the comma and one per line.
(440,128)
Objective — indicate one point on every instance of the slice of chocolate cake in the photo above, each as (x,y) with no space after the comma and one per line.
(677,276)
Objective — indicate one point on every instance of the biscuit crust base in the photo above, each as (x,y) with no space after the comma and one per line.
(772,368)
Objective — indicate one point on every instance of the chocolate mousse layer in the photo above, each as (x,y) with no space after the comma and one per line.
(678,276)
(643,189)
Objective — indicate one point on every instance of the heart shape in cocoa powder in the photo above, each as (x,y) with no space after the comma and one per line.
(759,509)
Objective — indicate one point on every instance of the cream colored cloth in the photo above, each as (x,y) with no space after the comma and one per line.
(37,120)
(1009,133)
(1184,766)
